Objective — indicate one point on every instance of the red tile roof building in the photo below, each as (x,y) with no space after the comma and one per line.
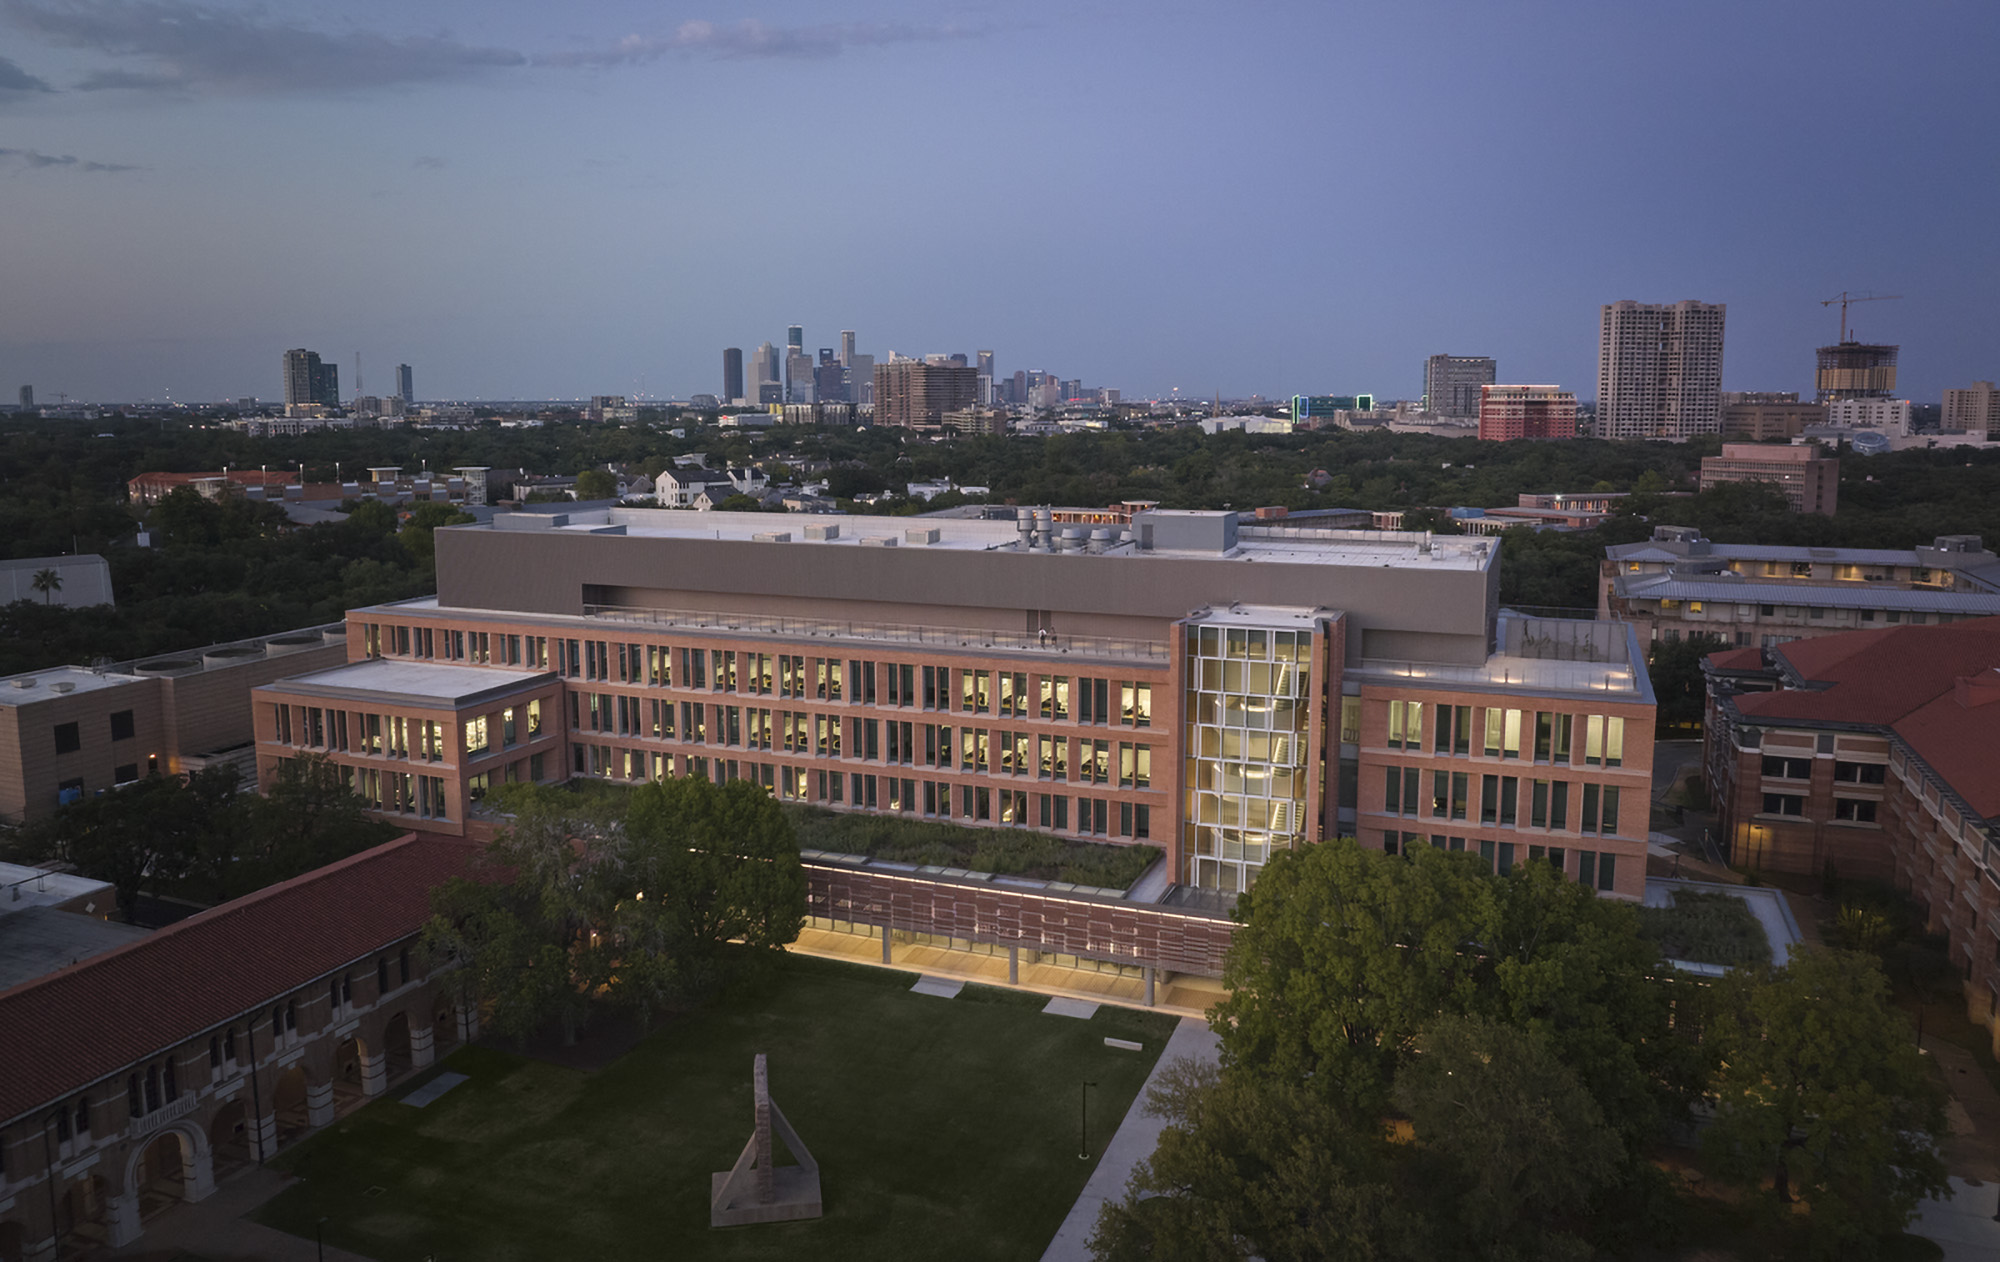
(215,1040)
(1872,754)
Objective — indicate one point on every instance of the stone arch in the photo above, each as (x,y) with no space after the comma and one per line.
(231,1141)
(291,1103)
(350,1057)
(85,1213)
(444,1025)
(396,1046)
(173,1164)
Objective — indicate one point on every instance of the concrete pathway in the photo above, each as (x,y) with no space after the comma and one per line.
(1134,1141)
(216,1230)
(1964,1226)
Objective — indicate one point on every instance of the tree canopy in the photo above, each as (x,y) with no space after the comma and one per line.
(644,904)
(1424,1059)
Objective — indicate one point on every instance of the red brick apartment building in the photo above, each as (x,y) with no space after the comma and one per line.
(1876,753)
(1208,689)
(136,1079)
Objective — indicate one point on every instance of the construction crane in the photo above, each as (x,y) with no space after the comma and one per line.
(1843,298)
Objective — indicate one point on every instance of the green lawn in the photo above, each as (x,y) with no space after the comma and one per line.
(943,1128)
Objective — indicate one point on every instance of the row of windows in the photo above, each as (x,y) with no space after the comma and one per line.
(1547,802)
(1596,868)
(395,736)
(1783,767)
(975,803)
(832,736)
(1852,810)
(69,736)
(1008,693)
(1505,733)
(480,647)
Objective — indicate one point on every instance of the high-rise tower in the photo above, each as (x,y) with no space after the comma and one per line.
(1659,370)
(1452,383)
(732,374)
(406,383)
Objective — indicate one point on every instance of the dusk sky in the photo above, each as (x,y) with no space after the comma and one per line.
(533,200)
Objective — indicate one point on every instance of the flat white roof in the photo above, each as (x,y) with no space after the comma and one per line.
(1286,546)
(419,681)
(57,681)
(22,887)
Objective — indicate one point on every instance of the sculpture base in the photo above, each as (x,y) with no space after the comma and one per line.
(796,1195)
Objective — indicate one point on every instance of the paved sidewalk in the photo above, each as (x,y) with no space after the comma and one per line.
(1965,1225)
(1134,1141)
(216,1230)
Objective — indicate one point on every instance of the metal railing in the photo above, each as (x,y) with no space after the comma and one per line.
(966,638)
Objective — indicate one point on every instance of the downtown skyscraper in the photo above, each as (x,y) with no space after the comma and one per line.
(1659,370)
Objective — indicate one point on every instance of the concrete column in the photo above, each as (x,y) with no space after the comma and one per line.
(886,958)
(1149,985)
(319,1104)
(374,1073)
(468,1022)
(121,1219)
(423,1046)
(264,1135)
(1013,966)
(197,1171)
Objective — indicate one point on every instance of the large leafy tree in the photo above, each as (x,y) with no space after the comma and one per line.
(646,903)
(1249,1168)
(1510,1150)
(1343,955)
(1822,1093)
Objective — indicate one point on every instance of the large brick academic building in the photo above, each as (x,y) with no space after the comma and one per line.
(1212,690)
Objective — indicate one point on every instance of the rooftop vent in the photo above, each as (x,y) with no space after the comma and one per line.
(878,541)
(26,681)
(772,536)
(922,535)
(822,532)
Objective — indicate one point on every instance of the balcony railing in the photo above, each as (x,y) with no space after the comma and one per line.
(963,638)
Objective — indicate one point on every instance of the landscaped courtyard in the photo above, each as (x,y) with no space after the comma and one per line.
(942,1127)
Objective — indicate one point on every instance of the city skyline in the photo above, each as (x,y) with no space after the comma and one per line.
(173,232)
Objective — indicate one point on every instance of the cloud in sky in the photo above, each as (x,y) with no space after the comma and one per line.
(428,162)
(197,48)
(235,51)
(34,160)
(14,79)
(753,39)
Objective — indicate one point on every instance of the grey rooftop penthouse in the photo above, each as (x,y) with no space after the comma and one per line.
(1406,596)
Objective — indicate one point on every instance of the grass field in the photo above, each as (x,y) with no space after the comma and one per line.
(943,1128)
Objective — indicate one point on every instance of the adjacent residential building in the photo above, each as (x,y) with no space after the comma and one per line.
(1806,475)
(1884,416)
(140,1076)
(310,382)
(1659,370)
(71,731)
(1452,384)
(1872,754)
(1975,410)
(1507,412)
(1769,420)
(1679,584)
(915,394)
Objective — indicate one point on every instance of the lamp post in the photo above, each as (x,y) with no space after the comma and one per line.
(1083,1124)
(319,1238)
